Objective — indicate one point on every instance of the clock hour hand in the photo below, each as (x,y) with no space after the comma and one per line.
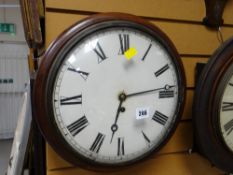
(114,126)
(166,87)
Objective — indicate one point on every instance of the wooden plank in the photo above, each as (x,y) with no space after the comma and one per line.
(176,10)
(228,15)
(54,161)
(181,141)
(181,164)
(187,113)
(191,39)
(54,27)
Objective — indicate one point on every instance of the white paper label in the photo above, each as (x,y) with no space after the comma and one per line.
(142,113)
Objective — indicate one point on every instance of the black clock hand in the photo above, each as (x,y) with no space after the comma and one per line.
(166,87)
(122,97)
(114,126)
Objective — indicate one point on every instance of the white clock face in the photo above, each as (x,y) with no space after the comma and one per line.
(226,114)
(116,95)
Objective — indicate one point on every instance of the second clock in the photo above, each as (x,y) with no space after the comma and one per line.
(110,90)
(213,108)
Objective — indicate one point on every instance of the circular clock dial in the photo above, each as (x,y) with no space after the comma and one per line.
(225,114)
(213,108)
(114,91)
(88,85)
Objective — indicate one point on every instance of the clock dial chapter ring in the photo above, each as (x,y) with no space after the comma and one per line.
(77,123)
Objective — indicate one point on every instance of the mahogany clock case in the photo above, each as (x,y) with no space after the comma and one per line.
(52,60)
(207,106)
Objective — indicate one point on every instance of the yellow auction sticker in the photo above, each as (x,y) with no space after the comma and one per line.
(130,53)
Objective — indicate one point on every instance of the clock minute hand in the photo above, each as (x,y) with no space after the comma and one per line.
(166,87)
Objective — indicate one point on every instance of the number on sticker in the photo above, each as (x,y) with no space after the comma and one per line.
(142,112)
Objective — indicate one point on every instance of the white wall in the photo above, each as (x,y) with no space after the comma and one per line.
(12,15)
(13,65)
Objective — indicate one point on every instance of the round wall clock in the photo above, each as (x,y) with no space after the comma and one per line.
(213,108)
(110,91)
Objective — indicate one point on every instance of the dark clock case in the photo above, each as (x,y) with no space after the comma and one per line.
(206,107)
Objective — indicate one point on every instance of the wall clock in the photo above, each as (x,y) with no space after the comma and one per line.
(213,108)
(110,91)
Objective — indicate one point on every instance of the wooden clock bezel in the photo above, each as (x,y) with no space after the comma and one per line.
(206,106)
(40,92)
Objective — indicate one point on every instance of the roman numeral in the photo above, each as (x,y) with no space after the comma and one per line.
(71,100)
(166,94)
(229,127)
(100,53)
(120,147)
(83,74)
(231,84)
(144,56)
(227,106)
(145,137)
(162,70)
(95,147)
(124,43)
(160,118)
(77,126)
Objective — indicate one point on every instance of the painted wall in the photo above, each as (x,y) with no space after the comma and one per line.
(13,69)
(11,15)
